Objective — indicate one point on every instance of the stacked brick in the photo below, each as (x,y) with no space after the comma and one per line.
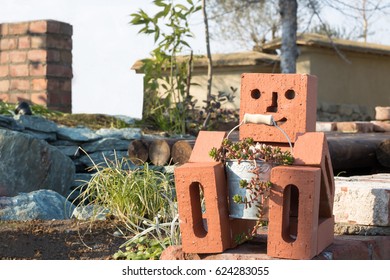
(382,119)
(36,63)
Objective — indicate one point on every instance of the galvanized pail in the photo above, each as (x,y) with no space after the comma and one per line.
(236,172)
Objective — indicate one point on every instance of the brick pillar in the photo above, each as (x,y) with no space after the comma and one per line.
(36,63)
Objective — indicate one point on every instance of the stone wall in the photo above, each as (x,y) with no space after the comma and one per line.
(332,112)
(36,63)
(85,147)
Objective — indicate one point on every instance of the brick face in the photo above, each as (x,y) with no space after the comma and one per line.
(36,63)
(18,84)
(4,86)
(18,70)
(18,28)
(37,55)
(17,56)
(3,71)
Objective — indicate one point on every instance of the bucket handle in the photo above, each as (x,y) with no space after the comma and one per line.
(261,119)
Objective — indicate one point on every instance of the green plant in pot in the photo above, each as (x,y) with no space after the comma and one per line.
(248,166)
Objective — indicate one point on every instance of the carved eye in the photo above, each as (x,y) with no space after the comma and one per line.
(290,94)
(255,93)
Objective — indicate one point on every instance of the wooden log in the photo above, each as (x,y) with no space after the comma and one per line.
(159,152)
(354,151)
(137,152)
(383,153)
(181,152)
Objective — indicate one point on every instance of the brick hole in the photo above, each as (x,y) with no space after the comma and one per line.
(329,176)
(255,93)
(290,94)
(290,213)
(274,105)
(197,203)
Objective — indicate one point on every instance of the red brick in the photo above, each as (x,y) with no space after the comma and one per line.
(355,127)
(312,233)
(4,70)
(211,177)
(382,113)
(39,98)
(66,57)
(38,26)
(8,44)
(24,42)
(53,56)
(39,84)
(18,28)
(16,98)
(38,42)
(37,55)
(18,84)
(205,141)
(4,97)
(4,85)
(18,70)
(66,85)
(318,156)
(17,56)
(289,98)
(4,29)
(38,69)
(59,71)
(4,57)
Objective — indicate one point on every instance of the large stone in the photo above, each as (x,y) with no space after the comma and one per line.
(37,205)
(36,123)
(78,134)
(100,158)
(10,123)
(123,133)
(362,200)
(106,144)
(28,164)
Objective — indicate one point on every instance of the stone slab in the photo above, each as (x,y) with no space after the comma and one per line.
(362,200)
(344,247)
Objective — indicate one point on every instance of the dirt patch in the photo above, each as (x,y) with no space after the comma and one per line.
(58,240)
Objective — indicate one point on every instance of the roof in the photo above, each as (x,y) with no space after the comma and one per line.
(226,59)
(322,41)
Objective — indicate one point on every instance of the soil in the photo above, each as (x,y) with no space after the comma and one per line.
(59,240)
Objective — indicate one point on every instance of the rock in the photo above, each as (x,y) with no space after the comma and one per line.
(362,200)
(36,123)
(70,151)
(90,212)
(37,205)
(106,144)
(123,133)
(28,164)
(78,134)
(99,158)
(10,123)
(50,136)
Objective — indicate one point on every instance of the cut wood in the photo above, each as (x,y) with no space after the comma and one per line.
(181,152)
(159,152)
(383,153)
(137,152)
(353,151)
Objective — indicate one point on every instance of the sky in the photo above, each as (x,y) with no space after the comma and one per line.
(105,46)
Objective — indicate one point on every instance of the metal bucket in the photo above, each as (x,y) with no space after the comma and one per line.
(244,171)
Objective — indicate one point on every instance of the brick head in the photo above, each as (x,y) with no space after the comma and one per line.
(290,98)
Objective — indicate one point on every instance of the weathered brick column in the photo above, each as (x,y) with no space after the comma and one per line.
(36,63)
